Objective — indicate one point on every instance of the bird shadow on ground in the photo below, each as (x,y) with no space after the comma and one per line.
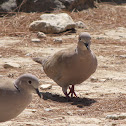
(79,102)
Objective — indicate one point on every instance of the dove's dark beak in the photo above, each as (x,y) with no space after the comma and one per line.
(87,46)
(39,94)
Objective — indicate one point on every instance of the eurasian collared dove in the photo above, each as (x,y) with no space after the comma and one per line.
(71,66)
(15,97)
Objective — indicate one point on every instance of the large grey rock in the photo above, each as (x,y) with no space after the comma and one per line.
(53,23)
(36,40)
(7,5)
(45,86)
(80,24)
(78,4)
(39,5)
(114,1)
(116,117)
(41,35)
(11,65)
(50,5)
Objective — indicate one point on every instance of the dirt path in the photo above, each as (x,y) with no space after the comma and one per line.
(101,95)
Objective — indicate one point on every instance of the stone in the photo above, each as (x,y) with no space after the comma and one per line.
(10,75)
(122,56)
(40,5)
(53,23)
(1,76)
(33,110)
(69,113)
(36,40)
(0,56)
(103,80)
(45,86)
(80,24)
(78,5)
(116,117)
(58,40)
(115,1)
(41,35)
(7,5)
(11,65)
(28,54)
(93,79)
(51,5)
(47,109)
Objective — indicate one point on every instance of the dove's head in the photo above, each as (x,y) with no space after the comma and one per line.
(84,41)
(28,83)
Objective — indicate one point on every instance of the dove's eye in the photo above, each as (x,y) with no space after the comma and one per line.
(29,82)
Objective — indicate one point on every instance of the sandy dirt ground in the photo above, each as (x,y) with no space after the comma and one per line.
(104,93)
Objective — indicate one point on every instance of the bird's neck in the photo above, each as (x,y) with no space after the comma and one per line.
(19,88)
(81,50)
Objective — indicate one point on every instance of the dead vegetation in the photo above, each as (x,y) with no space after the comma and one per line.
(96,99)
(102,17)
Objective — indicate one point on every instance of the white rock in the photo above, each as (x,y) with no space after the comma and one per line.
(1,76)
(102,80)
(116,117)
(69,113)
(47,109)
(45,86)
(122,56)
(33,110)
(0,56)
(80,24)
(35,40)
(10,75)
(58,40)
(41,35)
(53,23)
(28,54)
(11,65)
(93,79)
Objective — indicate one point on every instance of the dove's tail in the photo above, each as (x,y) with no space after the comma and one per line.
(38,60)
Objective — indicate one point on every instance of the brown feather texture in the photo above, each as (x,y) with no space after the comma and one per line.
(16,96)
(71,66)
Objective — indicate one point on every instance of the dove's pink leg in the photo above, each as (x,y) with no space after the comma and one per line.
(72,92)
(67,95)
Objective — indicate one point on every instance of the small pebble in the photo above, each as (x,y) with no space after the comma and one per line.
(93,79)
(58,40)
(114,124)
(70,113)
(1,76)
(100,38)
(10,75)
(80,24)
(102,80)
(86,93)
(11,65)
(41,35)
(45,86)
(36,40)
(116,117)
(28,54)
(47,109)
(33,110)
(122,56)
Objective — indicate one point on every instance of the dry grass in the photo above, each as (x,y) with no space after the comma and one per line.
(17,25)
(95,19)
(96,99)
(101,18)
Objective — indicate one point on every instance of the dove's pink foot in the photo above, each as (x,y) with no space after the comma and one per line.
(71,92)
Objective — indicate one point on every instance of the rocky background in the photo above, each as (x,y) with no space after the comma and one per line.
(49,5)
(101,98)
